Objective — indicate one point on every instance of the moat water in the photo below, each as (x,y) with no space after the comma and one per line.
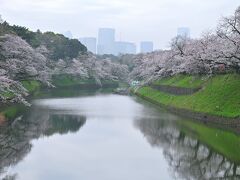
(111,137)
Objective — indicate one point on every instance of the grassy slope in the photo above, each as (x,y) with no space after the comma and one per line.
(33,86)
(66,80)
(8,95)
(30,85)
(11,112)
(59,81)
(220,95)
(186,81)
(224,142)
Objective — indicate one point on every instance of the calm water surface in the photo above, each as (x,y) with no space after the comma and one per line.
(107,137)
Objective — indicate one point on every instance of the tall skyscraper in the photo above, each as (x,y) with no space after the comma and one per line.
(106,40)
(90,43)
(183,32)
(146,46)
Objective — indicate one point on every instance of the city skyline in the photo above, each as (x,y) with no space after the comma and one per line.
(107,43)
(156,20)
(121,47)
(96,45)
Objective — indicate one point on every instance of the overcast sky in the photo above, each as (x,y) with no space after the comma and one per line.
(134,20)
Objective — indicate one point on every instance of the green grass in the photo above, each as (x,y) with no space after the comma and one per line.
(68,80)
(123,85)
(220,96)
(186,81)
(31,85)
(8,95)
(12,112)
(60,81)
(225,143)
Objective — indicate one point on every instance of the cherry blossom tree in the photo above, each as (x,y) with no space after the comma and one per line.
(19,61)
(229,32)
(214,52)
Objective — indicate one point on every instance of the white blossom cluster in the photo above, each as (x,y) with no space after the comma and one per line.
(19,61)
(215,51)
(88,66)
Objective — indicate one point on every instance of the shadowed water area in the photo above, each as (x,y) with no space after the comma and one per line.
(104,136)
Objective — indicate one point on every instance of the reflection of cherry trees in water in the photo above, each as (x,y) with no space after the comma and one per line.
(63,124)
(15,138)
(188,158)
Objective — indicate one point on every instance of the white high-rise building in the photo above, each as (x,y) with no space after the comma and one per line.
(146,46)
(124,48)
(90,43)
(106,40)
(183,32)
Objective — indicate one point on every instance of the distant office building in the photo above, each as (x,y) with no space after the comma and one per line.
(106,40)
(131,48)
(124,48)
(1,20)
(68,34)
(183,32)
(90,43)
(146,46)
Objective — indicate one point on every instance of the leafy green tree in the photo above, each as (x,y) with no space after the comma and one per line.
(27,35)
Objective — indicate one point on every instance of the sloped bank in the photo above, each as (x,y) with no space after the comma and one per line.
(175,90)
(216,102)
(65,81)
(9,111)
